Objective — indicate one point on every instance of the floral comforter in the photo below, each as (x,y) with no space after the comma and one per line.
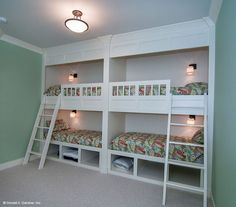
(195,88)
(82,137)
(154,145)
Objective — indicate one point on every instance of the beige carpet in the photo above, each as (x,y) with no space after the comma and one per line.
(61,185)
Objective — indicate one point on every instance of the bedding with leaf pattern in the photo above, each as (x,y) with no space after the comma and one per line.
(154,145)
(53,91)
(82,137)
(195,88)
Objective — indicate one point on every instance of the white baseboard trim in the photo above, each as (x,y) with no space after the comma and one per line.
(10,164)
(212,201)
(17,162)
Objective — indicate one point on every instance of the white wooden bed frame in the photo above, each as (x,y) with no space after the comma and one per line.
(181,36)
(181,104)
(84,101)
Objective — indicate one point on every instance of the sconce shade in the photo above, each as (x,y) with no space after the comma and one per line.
(191,68)
(191,119)
(71,78)
(73,114)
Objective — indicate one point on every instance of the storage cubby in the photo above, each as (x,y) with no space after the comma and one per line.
(185,175)
(54,151)
(161,66)
(117,169)
(70,154)
(90,158)
(150,170)
(88,72)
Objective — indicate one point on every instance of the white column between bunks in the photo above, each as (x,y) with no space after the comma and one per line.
(104,153)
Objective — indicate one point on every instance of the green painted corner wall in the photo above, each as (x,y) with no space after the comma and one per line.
(20,90)
(224,164)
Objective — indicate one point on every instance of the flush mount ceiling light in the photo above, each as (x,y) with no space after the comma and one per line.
(76,24)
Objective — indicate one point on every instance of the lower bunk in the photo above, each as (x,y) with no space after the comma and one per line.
(77,147)
(140,156)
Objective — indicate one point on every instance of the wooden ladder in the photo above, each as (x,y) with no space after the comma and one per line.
(43,138)
(203,167)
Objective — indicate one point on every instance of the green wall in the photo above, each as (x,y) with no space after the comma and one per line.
(224,162)
(20,85)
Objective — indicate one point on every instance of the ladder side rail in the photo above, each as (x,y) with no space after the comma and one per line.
(205,150)
(48,138)
(166,167)
(33,134)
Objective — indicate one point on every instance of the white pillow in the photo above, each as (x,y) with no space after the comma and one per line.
(124,163)
(73,153)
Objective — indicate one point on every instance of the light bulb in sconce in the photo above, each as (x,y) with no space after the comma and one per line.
(73,114)
(191,119)
(72,76)
(191,69)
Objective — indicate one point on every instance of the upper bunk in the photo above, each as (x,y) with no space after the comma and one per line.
(155,97)
(80,84)
(143,83)
(78,96)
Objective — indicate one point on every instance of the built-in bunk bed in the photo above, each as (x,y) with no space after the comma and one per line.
(77,134)
(134,121)
(152,97)
(138,101)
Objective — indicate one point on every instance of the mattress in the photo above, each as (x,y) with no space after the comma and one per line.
(154,145)
(82,137)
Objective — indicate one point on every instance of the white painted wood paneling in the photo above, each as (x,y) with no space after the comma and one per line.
(81,51)
(191,34)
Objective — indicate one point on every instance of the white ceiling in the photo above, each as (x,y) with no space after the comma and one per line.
(41,22)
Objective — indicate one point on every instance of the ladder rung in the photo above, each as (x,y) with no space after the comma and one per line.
(39,140)
(186,164)
(46,115)
(46,104)
(187,144)
(188,125)
(195,107)
(40,127)
(35,153)
(184,186)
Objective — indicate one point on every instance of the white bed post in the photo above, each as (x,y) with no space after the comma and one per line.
(205,151)
(166,169)
(106,40)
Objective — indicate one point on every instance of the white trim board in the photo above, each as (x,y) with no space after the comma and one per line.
(20,43)
(215,9)
(10,164)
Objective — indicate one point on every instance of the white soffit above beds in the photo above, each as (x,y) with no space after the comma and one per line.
(41,23)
